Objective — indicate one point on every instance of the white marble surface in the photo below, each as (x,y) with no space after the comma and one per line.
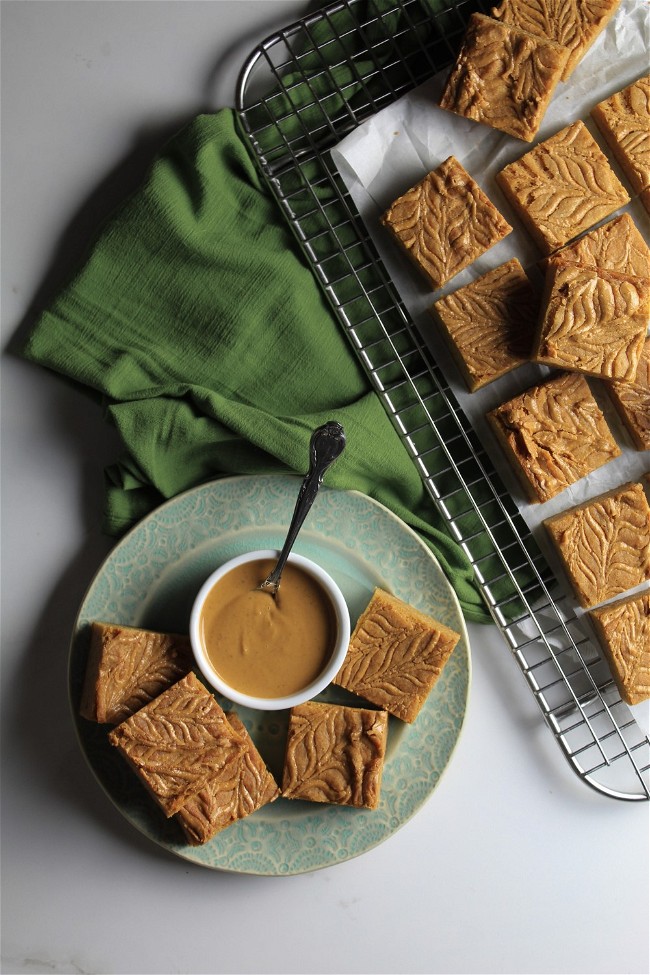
(514,866)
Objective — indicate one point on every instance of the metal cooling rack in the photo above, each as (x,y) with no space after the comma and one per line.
(299,94)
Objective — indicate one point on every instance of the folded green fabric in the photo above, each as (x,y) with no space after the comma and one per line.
(197,320)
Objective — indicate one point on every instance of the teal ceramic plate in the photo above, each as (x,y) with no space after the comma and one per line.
(150,579)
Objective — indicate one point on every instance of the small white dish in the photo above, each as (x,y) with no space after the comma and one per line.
(334,661)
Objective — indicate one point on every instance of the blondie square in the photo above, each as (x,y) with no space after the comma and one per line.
(396,655)
(504,77)
(616,246)
(623,628)
(489,324)
(632,401)
(562,187)
(335,754)
(624,120)
(236,790)
(604,544)
(178,742)
(592,321)
(127,667)
(553,435)
(445,222)
(573,23)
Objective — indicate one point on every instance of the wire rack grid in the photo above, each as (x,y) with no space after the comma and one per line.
(300,92)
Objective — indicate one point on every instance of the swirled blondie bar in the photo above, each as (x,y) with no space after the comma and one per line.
(236,790)
(553,435)
(624,120)
(335,754)
(617,245)
(593,321)
(623,628)
(178,742)
(127,667)
(632,400)
(504,77)
(445,222)
(562,187)
(396,655)
(490,324)
(604,544)
(573,23)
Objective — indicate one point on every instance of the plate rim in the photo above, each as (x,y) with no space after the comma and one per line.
(123,541)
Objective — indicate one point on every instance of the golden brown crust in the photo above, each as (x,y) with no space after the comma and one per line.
(562,187)
(573,23)
(396,655)
(624,120)
(445,222)
(335,754)
(489,324)
(632,401)
(593,321)
(645,199)
(127,667)
(504,77)
(604,543)
(553,434)
(236,790)
(623,628)
(177,742)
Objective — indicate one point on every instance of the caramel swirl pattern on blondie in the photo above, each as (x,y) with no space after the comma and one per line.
(396,655)
(562,187)
(624,631)
(445,222)
(604,544)
(178,742)
(593,321)
(573,23)
(632,401)
(617,245)
(489,324)
(235,790)
(624,120)
(554,434)
(504,77)
(335,754)
(127,667)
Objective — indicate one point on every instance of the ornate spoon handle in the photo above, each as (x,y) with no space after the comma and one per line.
(327,443)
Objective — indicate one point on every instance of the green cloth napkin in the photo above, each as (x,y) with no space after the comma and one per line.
(197,320)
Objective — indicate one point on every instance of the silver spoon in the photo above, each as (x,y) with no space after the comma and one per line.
(327,443)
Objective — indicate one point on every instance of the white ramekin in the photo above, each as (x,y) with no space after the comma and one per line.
(333,665)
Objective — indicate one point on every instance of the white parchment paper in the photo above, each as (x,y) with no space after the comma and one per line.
(398,146)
